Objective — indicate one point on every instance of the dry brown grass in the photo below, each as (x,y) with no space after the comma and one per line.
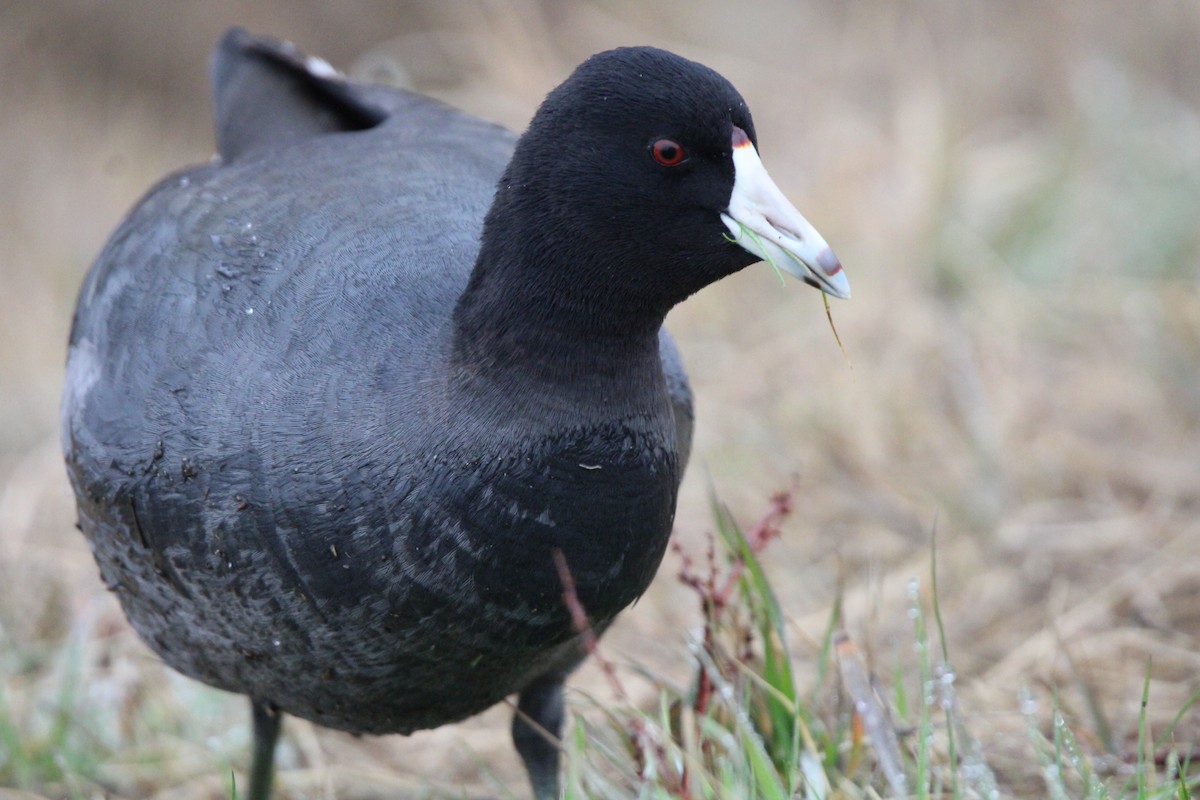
(1015,190)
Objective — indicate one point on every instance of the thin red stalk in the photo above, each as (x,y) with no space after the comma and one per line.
(758,537)
(583,625)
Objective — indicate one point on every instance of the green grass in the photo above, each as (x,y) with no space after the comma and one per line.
(69,729)
(745,729)
(49,744)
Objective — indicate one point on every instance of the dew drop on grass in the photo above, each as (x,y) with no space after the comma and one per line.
(946,685)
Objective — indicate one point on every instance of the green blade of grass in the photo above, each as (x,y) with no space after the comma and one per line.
(1142,771)
(777,667)
(1047,753)
(757,243)
(1170,731)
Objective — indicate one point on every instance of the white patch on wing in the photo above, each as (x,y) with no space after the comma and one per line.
(83,372)
(320,68)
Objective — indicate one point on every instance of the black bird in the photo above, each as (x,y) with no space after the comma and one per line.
(337,398)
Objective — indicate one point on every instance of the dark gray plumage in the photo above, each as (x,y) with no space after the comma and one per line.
(325,444)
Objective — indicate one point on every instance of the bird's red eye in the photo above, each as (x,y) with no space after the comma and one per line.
(667,152)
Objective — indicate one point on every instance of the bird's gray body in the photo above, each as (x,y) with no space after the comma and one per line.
(293,488)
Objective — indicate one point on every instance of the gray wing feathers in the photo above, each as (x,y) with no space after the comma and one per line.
(681,394)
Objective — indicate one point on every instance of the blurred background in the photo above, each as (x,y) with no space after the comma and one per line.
(1014,189)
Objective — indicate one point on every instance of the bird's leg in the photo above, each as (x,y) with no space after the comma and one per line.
(536,729)
(267,719)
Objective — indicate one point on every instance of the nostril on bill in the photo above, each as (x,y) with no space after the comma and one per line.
(785,229)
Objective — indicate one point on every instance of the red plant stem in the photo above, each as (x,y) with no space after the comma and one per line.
(758,537)
(583,626)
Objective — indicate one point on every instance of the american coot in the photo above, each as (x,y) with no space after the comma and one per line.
(335,400)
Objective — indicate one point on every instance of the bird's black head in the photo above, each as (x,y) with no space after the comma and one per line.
(637,183)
